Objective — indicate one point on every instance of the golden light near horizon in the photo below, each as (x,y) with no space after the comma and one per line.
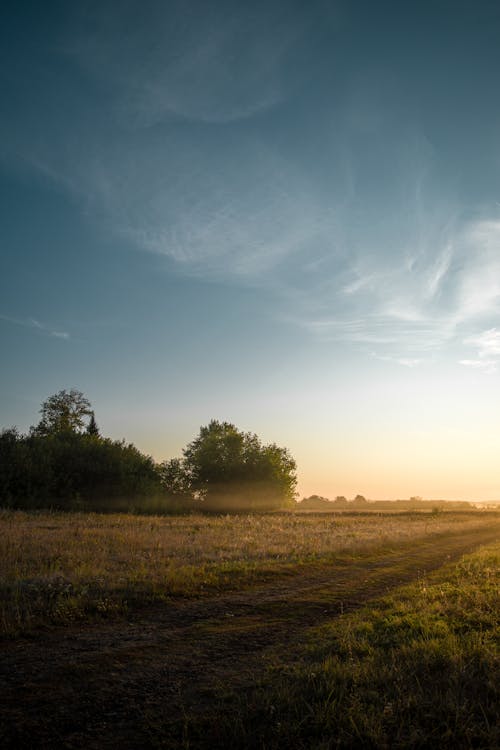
(387,434)
(395,435)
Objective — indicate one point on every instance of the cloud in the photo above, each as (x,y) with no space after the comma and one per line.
(229,224)
(212,216)
(479,289)
(486,365)
(401,339)
(36,325)
(438,271)
(408,362)
(373,252)
(250,214)
(212,63)
(487,345)
(421,300)
(367,281)
(403,361)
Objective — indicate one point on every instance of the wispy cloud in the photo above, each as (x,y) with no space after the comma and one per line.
(487,345)
(231,224)
(479,288)
(395,335)
(488,366)
(195,61)
(36,325)
(439,270)
(170,165)
(416,302)
(367,281)
(403,361)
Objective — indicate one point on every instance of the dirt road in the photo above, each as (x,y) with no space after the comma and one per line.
(115,684)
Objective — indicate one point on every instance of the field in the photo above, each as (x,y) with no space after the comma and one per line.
(278,631)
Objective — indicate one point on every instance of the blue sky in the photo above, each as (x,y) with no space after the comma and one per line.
(282,214)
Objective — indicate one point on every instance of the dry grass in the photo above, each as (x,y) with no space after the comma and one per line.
(57,567)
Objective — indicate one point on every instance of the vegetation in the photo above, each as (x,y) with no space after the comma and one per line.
(64,412)
(284,656)
(58,567)
(226,469)
(71,470)
(361,505)
(64,463)
(419,668)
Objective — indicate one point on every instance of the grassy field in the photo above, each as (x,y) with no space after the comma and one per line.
(417,669)
(260,633)
(60,568)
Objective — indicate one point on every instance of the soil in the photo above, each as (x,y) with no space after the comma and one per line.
(137,683)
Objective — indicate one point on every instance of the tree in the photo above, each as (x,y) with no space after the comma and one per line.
(360,500)
(340,500)
(65,463)
(227,468)
(315,502)
(92,428)
(175,479)
(64,412)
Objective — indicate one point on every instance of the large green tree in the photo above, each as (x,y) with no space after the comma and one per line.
(230,469)
(65,411)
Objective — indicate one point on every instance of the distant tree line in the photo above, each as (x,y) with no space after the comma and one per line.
(64,463)
(360,504)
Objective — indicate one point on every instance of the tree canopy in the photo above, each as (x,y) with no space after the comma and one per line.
(229,469)
(65,411)
(64,462)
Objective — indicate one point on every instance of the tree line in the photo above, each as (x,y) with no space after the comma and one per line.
(63,462)
(360,504)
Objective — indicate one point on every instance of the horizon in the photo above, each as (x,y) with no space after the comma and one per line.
(279,215)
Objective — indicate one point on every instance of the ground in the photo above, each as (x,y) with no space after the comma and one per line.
(152,678)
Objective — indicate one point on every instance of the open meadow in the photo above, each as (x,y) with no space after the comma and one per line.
(60,567)
(265,631)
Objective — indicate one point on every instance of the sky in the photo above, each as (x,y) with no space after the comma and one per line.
(285,215)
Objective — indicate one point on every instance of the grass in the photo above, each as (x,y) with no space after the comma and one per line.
(57,568)
(284,666)
(417,669)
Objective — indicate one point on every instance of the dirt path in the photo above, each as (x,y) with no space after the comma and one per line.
(116,684)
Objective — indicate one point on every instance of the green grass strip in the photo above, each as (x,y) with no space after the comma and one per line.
(417,669)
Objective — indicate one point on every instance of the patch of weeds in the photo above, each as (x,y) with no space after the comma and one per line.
(26,605)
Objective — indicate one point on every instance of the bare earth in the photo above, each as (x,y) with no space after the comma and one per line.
(122,684)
